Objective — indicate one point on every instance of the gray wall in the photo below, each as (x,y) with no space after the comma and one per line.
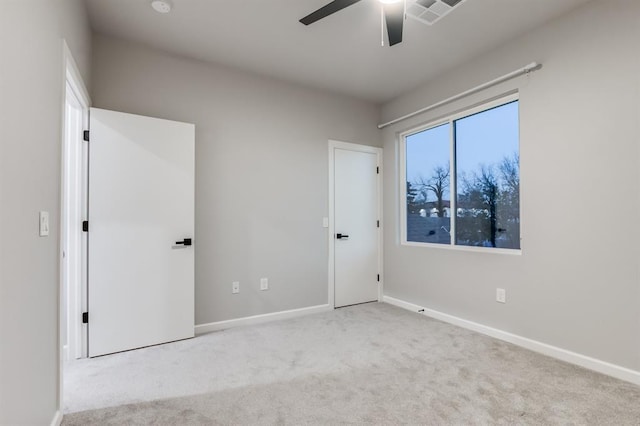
(261,170)
(576,284)
(31,96)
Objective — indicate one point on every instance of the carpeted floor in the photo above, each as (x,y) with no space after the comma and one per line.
(371,363)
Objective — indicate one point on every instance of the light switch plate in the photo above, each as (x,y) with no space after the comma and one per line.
(325,222)
(44,224)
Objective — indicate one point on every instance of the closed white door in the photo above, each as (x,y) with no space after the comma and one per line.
(141,217)
(356,225)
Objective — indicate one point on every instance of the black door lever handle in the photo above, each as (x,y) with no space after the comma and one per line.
(186,242)
(342,236)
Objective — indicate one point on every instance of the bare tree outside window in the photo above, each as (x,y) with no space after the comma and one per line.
(438,185)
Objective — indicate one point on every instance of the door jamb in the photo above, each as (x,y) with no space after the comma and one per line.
(333,145)
(70,76)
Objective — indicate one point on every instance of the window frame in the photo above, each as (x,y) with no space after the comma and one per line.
(450,119)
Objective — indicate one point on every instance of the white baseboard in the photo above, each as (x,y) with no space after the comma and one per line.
(259,319)
(594,364)
(57,418)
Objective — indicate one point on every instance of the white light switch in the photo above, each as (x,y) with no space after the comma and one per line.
(44,224)
(325,222)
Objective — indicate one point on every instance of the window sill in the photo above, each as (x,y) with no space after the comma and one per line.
(488,250)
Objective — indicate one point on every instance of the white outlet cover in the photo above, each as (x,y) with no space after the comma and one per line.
(235,287)
(501,295)
(264,284)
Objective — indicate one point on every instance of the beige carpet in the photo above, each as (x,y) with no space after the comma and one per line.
(373,363)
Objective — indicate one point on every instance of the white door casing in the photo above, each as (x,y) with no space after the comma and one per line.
(141,203)
(71,224)
(355,209)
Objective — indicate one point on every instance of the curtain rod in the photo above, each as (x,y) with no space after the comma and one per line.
(533,66)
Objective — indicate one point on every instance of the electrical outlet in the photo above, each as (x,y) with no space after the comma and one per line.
(501,295)
(235,287)
(264,284)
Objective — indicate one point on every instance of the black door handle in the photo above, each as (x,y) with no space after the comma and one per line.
(342,236)
(186,242)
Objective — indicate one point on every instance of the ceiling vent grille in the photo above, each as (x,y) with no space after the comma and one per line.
(431,11)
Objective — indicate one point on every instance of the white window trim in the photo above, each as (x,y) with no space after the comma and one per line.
(502,100)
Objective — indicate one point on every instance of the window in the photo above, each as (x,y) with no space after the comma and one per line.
(475,156)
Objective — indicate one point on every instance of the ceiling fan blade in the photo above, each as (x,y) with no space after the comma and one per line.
(327,10)
(394,17)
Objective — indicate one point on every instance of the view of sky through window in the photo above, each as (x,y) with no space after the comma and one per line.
(427,150)
(485,138)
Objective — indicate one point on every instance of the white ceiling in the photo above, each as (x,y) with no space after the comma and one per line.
(341,53)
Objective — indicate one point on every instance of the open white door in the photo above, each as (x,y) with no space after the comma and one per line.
(141,211)
(356,239)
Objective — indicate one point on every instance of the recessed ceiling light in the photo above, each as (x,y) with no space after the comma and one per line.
(161,6)
(389,1)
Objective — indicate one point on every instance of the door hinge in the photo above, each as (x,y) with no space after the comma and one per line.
(377,224)
(378,277)
(85,317)
(377,170)
(85,226)
(85,135)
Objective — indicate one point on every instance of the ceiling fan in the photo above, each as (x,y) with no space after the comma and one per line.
(393,16)
(394,11)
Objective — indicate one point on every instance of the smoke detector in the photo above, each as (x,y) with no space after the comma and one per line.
(161,6)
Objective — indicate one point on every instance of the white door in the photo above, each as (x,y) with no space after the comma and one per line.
(141,211)
(356,224)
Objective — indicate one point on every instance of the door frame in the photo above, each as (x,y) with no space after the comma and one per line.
(333,145)
(72,77)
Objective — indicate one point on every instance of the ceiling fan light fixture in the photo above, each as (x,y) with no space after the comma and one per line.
(161,6)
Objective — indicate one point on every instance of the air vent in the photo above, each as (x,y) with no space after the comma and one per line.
(431,11)
(426,3)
